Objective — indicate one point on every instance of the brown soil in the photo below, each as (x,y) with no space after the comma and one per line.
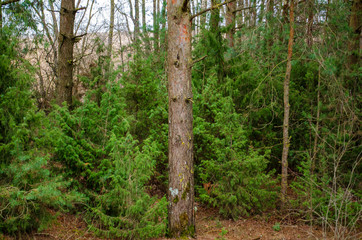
(209,226)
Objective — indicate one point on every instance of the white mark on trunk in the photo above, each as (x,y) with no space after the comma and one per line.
(174,192)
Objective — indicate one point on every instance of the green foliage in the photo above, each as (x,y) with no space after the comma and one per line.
(97,151)
(123,208)
(27,186)
(225,156)
(110,151)
(276,227)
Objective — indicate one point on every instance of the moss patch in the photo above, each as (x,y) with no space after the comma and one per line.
(184,220)
(187,189)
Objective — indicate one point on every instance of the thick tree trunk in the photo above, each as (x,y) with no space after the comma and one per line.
(355,22)
(230,23)
(286,141)
(66,42)
(180,143)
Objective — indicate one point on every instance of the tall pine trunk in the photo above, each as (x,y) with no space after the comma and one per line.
(66,42)
(180,143)
(286,140)
(230,23)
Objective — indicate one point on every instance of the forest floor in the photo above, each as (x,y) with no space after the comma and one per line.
(209,226)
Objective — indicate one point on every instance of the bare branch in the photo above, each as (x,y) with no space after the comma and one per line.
(51,10)
(78,9)
(241,9)
(210,8)
(198,60)
(8,2)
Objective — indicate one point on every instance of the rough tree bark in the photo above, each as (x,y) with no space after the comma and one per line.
(355,22)
(286,140)
(181,180)
(230,23)
(64,87)
(137,20)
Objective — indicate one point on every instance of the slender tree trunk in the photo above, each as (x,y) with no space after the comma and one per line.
(247,13)
(1,16)
(310,23)
(66,42)
(315,146)
(180,143)
(56,37)
(110,33)
(146,39)
(269,17)
(163,38)
(215,29)
(137,20)
(253,3)
(144,26)
(156,27)
(203,16)
(286,141)
(285,11)
(230,23)
(270,9)
(239,18)
(355,24)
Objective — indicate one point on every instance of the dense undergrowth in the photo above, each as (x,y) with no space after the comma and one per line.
(103,156)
